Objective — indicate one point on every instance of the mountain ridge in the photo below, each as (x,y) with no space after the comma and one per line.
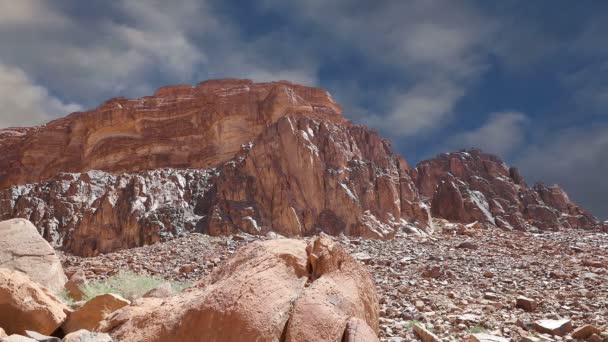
(265,157)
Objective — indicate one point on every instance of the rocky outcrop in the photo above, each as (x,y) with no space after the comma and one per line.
(269,291)
(232,155)
(473,186)
(25,305)
(98,212)
(288,163)
(179,126)
(23,249)
(304,176)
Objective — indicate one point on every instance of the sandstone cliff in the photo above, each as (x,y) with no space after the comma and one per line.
(256,157)
(232,155)
(475,186)
(179,126)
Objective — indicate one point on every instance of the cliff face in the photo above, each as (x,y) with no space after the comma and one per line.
(179,126)
(279,157)
(232,155)
(474,186)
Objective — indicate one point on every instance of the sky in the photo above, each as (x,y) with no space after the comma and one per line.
(526,80)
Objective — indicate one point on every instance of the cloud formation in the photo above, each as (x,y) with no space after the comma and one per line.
(28,103)
(501,134)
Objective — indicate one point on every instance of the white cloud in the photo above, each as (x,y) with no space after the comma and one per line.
(420,109)
(441,47)
(501,134)
(24,103)
(132,47)
(29,12)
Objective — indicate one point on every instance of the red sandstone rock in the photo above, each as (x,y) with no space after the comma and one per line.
(179,126)
(280,158)
(474,186)
(277,157)
(24,250)
(269,291)
(25,305)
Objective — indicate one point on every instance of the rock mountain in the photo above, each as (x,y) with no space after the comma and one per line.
(233,155)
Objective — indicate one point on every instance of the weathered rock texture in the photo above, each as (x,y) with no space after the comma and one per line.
(91,313)
(97,212)
(280,157)
(23,249)
(25,305)
(233,155)
(278,290)
(474,186)
(179,126)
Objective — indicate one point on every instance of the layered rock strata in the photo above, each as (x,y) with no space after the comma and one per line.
(280,157)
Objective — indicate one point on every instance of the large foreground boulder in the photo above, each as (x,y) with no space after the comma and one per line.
(277,290)
(89,315)
(23,249)
(25,305)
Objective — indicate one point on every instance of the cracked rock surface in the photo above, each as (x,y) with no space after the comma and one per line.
(282,289)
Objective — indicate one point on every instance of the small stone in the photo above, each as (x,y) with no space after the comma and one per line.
(490,296)
(554,327)
(41,338)
(488,274)
(419,305)
(467,245)
(87,336)
(424,334)
(483,337)
(164,290)
(188,268)
(432,271)
(525,303)
(585,331)
(595,338)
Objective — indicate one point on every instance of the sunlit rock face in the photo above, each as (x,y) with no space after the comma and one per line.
(179,126)
(475,186)
(220,157)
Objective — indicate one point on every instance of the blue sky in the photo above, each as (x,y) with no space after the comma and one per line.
(527,80)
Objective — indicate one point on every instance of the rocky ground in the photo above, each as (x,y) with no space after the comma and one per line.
(461,280)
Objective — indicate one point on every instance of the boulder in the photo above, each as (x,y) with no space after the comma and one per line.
(25,305)
(74,285)
(86,336)
(89,315)
(559,327)
(340,289)
(268,291)
(23,249)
